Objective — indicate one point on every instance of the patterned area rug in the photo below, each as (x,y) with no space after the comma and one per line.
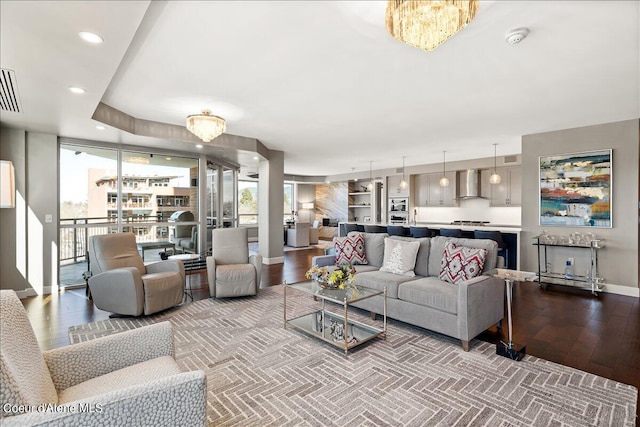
(259,373)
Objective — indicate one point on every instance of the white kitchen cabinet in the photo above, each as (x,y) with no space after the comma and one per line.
(393,186)
(428,192)
(509,191)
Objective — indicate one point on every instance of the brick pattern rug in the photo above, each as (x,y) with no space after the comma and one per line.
(260,374)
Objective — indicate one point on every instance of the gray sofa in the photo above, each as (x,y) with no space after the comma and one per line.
(461,311)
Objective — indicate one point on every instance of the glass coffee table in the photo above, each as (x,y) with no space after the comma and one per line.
(334,328)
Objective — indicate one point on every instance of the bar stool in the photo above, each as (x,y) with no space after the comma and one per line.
(369,228)
(396,230)
(348,228)
(496,236)
(419,231)
(451,232)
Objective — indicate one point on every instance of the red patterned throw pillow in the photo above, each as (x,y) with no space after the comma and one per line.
(460,263)
(350,250)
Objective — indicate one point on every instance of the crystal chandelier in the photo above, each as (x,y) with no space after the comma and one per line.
(426,24)
(495,178)
(206,126)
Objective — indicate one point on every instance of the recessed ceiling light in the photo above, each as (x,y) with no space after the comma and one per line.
(255,157)
(168,158)
(198,145)
(99,127)
(77,90)
(90,37)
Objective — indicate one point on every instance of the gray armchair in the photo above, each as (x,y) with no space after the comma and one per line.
(230,270)
(122,284)
(298,236)
(129,378)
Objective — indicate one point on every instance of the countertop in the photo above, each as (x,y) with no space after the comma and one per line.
(490,227)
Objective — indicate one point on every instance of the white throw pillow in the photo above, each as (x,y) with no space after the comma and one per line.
(400,257)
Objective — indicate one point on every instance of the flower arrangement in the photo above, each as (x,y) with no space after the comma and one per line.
(340,278)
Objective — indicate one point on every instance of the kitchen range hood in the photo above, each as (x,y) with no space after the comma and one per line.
(469,184)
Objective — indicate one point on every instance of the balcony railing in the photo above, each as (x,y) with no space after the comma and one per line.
(75,233)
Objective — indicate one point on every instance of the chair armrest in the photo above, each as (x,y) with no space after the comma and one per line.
(211,275)
(119,291)
(256,261)
(169,265)
(480,304)
(177,400)
(77,363)
(323,260)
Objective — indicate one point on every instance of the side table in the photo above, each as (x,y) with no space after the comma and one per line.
(190,259)
(510,349)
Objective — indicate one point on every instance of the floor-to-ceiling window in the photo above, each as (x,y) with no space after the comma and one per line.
(156,199)
(247,202)
(229,197)
(289,205)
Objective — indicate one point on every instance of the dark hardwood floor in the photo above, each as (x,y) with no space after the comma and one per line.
(571,327)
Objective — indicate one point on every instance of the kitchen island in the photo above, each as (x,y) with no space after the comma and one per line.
(510,233)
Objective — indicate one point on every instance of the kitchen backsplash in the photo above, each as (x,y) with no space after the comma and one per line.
(474,210)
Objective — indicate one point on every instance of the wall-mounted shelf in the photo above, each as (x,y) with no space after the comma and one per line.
(592,282)
(359,204)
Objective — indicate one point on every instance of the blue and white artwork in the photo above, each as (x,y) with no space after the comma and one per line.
(575,189)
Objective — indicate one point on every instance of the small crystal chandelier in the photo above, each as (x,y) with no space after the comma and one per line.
(426,24)
(403,183)
(444,181)
(495,178)
(206,126)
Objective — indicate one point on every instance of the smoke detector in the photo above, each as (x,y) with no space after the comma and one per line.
(516,35)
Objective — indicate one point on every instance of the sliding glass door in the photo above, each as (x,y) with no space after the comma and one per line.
(110,190)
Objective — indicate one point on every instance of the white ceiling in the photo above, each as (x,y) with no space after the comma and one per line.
(322,80)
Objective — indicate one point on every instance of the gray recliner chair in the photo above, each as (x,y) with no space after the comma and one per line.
(122,284)
(230,269)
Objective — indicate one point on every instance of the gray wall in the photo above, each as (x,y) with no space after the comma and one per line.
(29,248)
(618,261)
(270,231)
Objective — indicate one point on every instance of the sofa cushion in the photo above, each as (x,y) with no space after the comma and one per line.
(373,247)
(400,256)
(437,251)
(350,250)
(461,263)
(422,258)
(379,279)
(430,292)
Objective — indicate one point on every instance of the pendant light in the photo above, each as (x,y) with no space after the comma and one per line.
(403,183)
(444,181)
(370,186)
(495,178)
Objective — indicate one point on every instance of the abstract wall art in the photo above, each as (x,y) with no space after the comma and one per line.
(575,189)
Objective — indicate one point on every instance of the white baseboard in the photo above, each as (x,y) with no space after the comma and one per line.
(274,260)
(622,290)
(30,292)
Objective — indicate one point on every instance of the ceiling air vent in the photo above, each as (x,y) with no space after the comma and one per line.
(511,159)
(9,99)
